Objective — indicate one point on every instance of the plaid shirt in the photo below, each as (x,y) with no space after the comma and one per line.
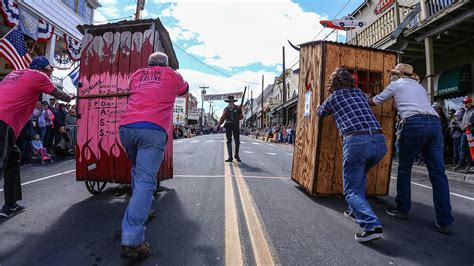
(351,111)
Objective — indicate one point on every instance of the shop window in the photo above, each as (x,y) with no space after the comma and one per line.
(368,81)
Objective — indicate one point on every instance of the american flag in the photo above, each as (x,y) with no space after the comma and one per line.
(13,48)
(74,75)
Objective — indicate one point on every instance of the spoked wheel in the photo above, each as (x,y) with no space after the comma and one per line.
(95,187)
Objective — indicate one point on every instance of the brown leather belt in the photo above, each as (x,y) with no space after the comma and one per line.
(364,132)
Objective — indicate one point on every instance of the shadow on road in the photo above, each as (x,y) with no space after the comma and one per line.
(415,239)
(251,169)
(89,233)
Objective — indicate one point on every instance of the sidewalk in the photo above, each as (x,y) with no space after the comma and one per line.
(453,175)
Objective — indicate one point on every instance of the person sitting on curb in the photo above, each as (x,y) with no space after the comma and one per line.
(421,134)
(364,145)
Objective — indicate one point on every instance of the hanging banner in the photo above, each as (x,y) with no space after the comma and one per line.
(29,24)
(10,12)
(73,48)
(221,97)
(45,31)
(179,110)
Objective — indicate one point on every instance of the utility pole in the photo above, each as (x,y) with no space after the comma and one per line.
(263,81)
(140,7)
(203,92)
(210,106)
(285,113)
(251,108)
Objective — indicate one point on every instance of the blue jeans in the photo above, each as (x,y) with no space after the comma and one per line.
(145,148)
(456,150)
(464,152)
(422,133)
(360,153)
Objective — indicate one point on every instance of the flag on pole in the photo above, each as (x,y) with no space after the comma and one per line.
(74,75)
(13,48)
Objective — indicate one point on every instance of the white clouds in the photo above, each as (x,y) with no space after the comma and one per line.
(232,34)
(98,17)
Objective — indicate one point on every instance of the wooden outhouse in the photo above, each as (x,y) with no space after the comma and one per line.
(317,159)
(111,53)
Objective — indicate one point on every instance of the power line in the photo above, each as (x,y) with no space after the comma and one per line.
(213,68)
(337,14)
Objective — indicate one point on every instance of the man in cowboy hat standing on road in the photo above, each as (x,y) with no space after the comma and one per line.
(421,133)
(232,115)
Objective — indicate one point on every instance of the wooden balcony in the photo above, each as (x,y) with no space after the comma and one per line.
(380,29)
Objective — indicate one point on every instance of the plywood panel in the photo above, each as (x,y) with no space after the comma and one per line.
(112,126)
(388,122)
(375,64)
(303,170)
(105,108)
(327,156)
(348,60)
(82,152)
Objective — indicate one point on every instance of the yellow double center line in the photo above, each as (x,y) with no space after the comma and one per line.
(233,247)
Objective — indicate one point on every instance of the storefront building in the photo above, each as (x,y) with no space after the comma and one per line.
(436,37)
(49,29)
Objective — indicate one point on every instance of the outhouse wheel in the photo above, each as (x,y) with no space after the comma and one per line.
(95,187)
(157,188)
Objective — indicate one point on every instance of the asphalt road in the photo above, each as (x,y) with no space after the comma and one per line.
(215,213)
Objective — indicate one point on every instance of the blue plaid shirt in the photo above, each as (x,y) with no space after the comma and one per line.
(351,111)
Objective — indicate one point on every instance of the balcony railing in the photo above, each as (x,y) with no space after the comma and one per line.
(384,26)
(376,31)
(435,6)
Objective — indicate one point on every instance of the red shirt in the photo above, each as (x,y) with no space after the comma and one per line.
(19,93)
(153,91)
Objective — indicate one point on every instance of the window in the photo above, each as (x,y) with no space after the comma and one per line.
(369,82)
(71,4)
(80,7)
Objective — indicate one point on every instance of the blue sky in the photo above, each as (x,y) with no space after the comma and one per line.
(241,39)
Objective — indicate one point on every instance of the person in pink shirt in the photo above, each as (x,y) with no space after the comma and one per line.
(143,133)
(19,92)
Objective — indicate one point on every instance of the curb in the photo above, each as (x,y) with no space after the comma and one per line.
(452,175)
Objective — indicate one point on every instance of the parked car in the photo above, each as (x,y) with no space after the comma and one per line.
(349,21)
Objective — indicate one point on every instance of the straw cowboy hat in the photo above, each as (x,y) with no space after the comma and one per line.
(402,69)
(230,98)
(405,70)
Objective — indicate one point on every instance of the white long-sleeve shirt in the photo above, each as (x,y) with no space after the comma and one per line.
(410,98)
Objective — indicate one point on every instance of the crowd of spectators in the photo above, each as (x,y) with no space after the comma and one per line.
(453,124)
(180,131)
(280,133)
(50,132)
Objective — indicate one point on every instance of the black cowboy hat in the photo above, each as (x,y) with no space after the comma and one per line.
(230,98)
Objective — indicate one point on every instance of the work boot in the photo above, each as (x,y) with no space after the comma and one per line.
(139,252)
(237,146)
(229,151)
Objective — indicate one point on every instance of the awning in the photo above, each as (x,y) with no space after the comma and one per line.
(455,81)
(291,102)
